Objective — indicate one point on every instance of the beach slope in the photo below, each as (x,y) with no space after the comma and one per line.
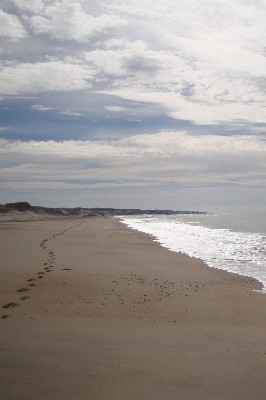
(93,310)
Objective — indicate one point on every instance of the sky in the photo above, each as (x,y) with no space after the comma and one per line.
(136,104)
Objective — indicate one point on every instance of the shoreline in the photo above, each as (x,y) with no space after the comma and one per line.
(116,315)
(253,280)
(253,275)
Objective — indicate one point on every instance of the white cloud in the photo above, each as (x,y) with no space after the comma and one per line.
(71,113)
(202,62)
(67,20)
(40,107)
(11,27)
(116,109)
(204,76)
(44,76)
(208,59)
(200,111)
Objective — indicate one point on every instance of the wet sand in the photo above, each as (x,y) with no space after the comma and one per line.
(93,310)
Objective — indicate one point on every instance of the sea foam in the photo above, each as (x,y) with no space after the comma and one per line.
(243,253)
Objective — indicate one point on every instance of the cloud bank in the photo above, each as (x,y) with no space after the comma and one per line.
(162,157)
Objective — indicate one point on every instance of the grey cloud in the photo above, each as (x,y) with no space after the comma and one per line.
(34,6)
(140,64)
(186,152)
(173,160)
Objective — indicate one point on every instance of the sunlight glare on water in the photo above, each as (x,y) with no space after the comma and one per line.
(236,251)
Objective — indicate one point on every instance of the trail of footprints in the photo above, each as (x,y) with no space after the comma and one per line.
(149,292)
(48,267)
(31,282)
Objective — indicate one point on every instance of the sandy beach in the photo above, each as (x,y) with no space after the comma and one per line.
(93,310)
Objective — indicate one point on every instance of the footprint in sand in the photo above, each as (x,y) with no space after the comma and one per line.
(22,290)
(24,297)
(11,304)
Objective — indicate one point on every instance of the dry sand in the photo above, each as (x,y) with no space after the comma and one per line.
(112,315)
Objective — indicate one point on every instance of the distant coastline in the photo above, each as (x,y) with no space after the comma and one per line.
(25,207)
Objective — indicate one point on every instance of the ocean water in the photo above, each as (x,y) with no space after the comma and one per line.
(235,243)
